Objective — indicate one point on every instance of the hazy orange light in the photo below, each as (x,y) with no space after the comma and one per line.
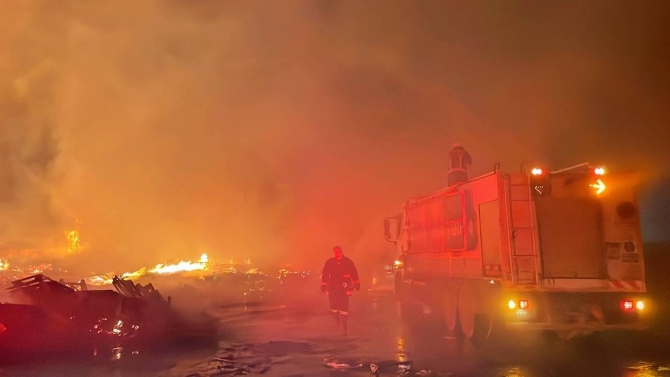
(537,171)
(599,171)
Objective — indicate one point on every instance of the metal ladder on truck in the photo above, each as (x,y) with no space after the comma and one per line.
(524,257)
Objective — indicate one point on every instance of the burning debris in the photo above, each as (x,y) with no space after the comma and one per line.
(234,283)
(203,267)
(104,312)
(196,285)
(10,273)
(201,264)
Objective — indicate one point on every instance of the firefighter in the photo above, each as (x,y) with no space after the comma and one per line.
(338,280)
(459,162)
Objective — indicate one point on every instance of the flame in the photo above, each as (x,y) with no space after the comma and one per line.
(182,266)
(73,241)
(38,269)
(135,274)
(98,280)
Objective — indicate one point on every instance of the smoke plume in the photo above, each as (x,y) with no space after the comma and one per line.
(274,131)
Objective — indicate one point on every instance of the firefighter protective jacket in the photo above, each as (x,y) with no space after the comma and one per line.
(340,274)
(459,159)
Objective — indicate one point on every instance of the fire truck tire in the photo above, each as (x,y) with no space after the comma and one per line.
(450,310)
(484,329)
(466,313)
(475,322)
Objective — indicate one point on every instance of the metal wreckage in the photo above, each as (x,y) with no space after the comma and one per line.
(49,317)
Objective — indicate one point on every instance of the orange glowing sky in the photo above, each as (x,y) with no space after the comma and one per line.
(243,129)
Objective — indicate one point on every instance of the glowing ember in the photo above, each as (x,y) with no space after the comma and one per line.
(38,269)
(30,270)
(73,241)
(98,280)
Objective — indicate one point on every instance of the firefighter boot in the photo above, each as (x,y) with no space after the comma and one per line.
(344,324)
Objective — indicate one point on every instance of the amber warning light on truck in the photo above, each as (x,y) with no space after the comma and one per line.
(630,305)
(599,186)
(522,304)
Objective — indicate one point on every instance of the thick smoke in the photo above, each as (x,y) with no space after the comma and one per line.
(165,129)
(28,124)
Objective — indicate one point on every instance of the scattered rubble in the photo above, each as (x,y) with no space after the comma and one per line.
(48,316)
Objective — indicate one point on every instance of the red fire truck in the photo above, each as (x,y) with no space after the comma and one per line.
(559,251)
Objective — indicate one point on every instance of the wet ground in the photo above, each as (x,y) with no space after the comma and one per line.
(300,340)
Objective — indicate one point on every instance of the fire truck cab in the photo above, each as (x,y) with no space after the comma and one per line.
(539,249)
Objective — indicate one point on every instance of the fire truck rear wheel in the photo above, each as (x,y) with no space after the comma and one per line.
(466,315)
(475,325)
(484,327)
(450,311)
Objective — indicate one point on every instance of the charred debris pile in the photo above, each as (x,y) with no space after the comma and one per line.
(40,315)
(48,317)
